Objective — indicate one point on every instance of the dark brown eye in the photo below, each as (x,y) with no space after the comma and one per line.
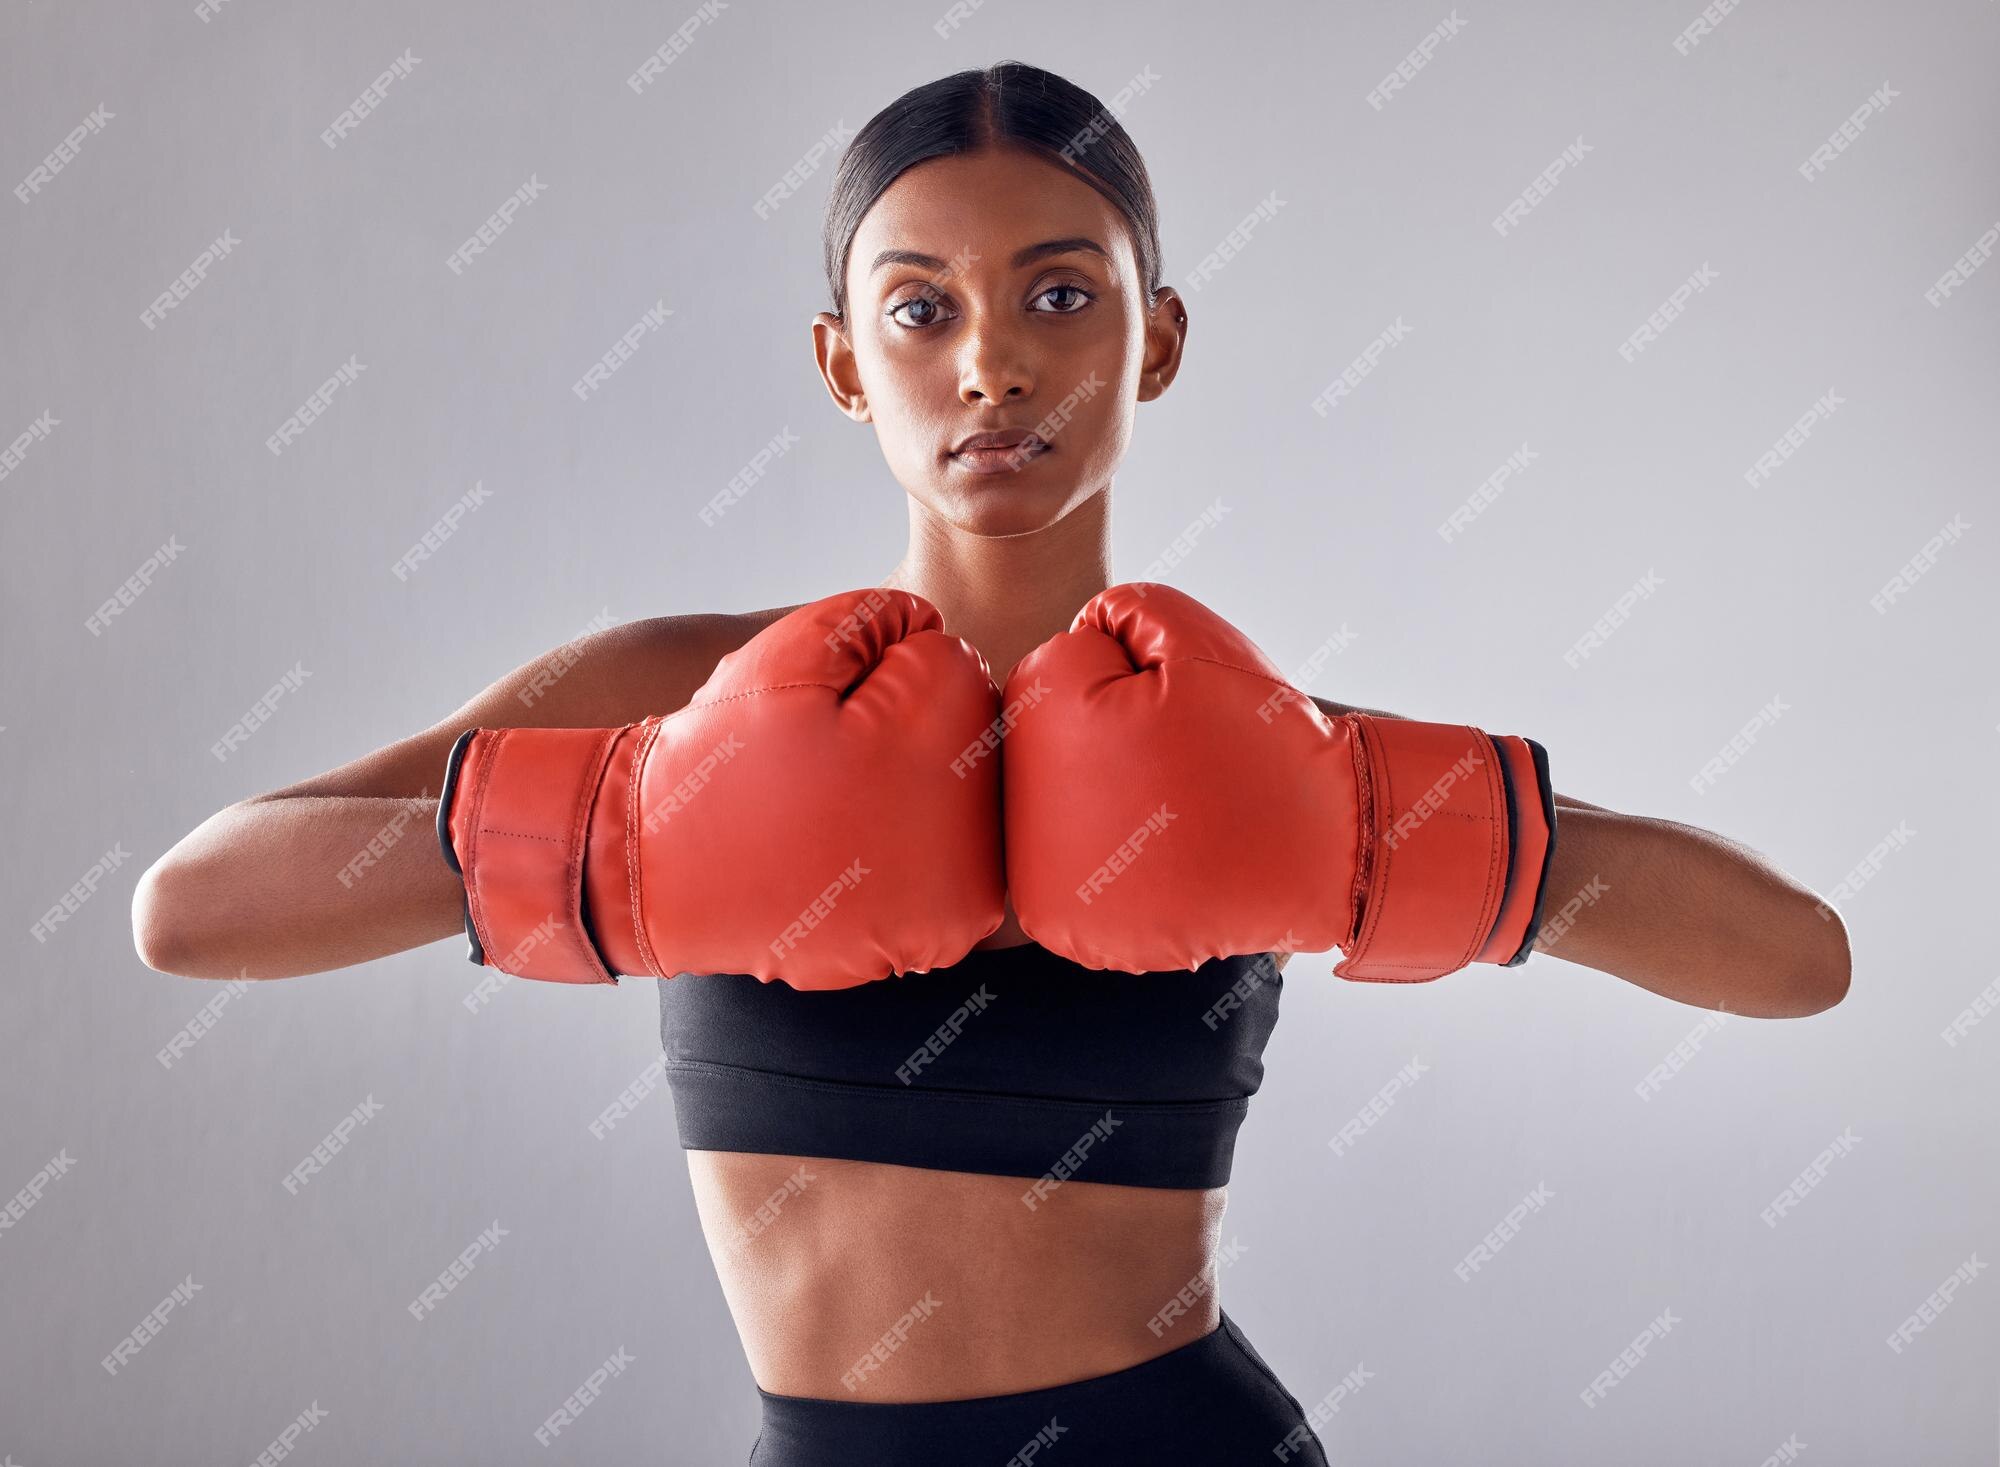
(1085,297)
(924,302)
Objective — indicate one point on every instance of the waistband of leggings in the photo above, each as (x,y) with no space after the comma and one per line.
(886,1423)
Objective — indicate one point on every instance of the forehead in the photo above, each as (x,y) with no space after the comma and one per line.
(981,208)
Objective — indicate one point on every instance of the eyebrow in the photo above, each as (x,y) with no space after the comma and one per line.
(1021,257)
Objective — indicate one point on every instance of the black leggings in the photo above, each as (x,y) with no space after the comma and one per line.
(1212,1402)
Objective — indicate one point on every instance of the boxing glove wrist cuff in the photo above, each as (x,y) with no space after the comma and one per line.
(1456,829)
(513,820)
(1531,810)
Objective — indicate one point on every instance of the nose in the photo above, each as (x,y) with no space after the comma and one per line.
(994,366)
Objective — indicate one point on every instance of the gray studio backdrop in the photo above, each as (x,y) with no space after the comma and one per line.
(1655,366)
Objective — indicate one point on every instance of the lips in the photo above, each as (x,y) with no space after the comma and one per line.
(1004,438)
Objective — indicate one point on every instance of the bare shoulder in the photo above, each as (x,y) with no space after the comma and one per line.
(603,679)
(633,670)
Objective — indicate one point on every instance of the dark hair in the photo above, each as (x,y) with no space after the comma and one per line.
(1011,103)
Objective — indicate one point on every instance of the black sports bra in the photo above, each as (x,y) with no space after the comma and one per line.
(1013,1061)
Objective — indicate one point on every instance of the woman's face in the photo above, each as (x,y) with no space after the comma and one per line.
(989,292)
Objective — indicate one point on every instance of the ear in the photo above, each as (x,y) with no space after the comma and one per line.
(1166,337)
(834,353)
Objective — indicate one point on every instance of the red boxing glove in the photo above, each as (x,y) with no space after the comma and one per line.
(815,815)
(1170,798)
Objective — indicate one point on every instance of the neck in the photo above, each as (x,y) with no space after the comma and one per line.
(1006,595)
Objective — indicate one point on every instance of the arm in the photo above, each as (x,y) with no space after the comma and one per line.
(1684,913)
(344,867)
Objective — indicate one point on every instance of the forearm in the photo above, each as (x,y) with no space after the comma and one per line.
(1682,912)
(1689,915)
(276,887)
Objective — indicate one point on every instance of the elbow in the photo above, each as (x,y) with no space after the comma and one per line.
(155,936)
(1821,980)
(1793,973)
(162,927)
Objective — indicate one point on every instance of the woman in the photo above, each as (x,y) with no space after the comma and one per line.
(905,1289)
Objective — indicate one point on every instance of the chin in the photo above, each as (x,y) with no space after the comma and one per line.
(997,510)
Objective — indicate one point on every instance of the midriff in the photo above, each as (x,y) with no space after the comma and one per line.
(859,1281)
